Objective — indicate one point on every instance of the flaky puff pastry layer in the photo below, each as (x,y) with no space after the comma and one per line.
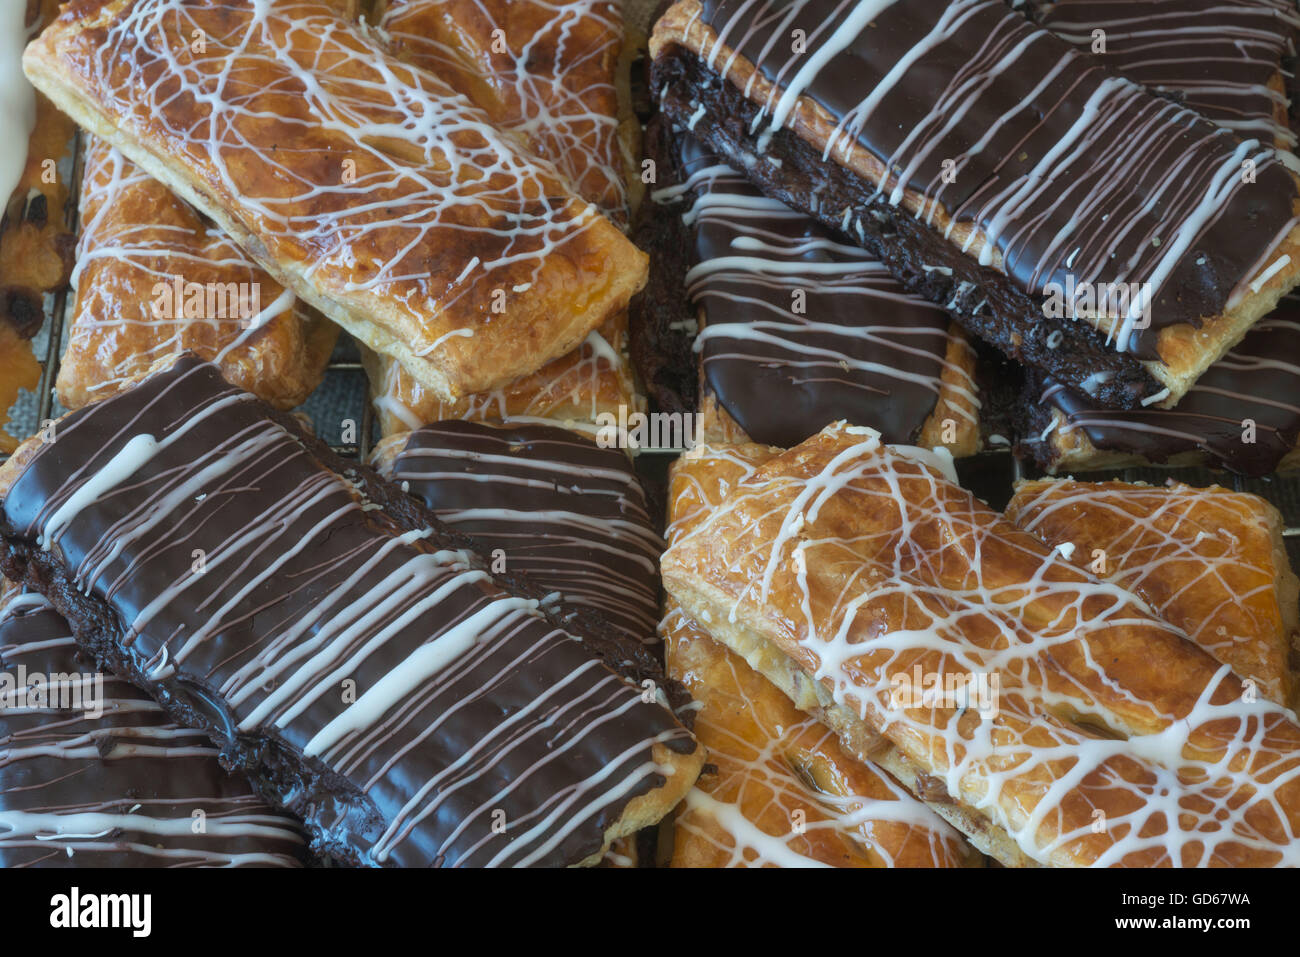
(138,238)
(1056,705)
(785,792)
(1208,560)
(546,72)
(368,187)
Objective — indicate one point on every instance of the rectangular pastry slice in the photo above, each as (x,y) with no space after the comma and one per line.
(784,791)
(797,327)
(154,279)
(1226,62)
(344,650)
(369,188)
(1207,560)
(548,73)
(543,501)
(1243,414)
(1054,705)
(976,155)
(92,774)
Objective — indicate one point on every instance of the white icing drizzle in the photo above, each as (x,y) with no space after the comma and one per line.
(745,813)
(1203,557)
(1187,769)
(113,759)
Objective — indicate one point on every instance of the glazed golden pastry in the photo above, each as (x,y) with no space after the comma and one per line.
(785,791)
(367,187)
(1081,728)
(1209,561)
(548,73)
(154,280)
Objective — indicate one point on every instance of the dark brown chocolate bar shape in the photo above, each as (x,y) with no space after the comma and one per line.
(92,774)
(546,502)
(1066,177)
(363,673)
(801,327)
(1242,415)
(1223,58)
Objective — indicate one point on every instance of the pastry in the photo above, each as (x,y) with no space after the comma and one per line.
(1055,706)
(1243,414)
(343,649)
(154,279)
(1226,62)
(783,791)
(975,154)
(542,501)
(546,72)
(1207,560)
(367,187)
(93,775)
(796,326)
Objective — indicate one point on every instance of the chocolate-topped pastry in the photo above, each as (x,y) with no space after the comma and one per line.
(1223,58)
(92,774)
(797,326)
(1243,414)
(340,645)
(544,501)
(978,156)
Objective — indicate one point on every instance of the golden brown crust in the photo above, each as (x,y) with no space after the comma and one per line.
(548,72)
(1209,561)
(468,262)
(863,566)
(785,791)
(1185,351)
(137,240)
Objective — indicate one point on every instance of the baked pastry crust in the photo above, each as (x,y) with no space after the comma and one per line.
(547,72)
(138,239)
(865,567)
(469,262)
(1173,354)
(1207,560)
(784,790)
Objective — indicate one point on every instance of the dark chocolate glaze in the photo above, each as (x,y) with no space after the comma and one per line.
(456,728)
(998,97)
(1258,382)
(1219,57)
(857,348)
(115,784)
(548,502)
(661,320)
(981,298)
